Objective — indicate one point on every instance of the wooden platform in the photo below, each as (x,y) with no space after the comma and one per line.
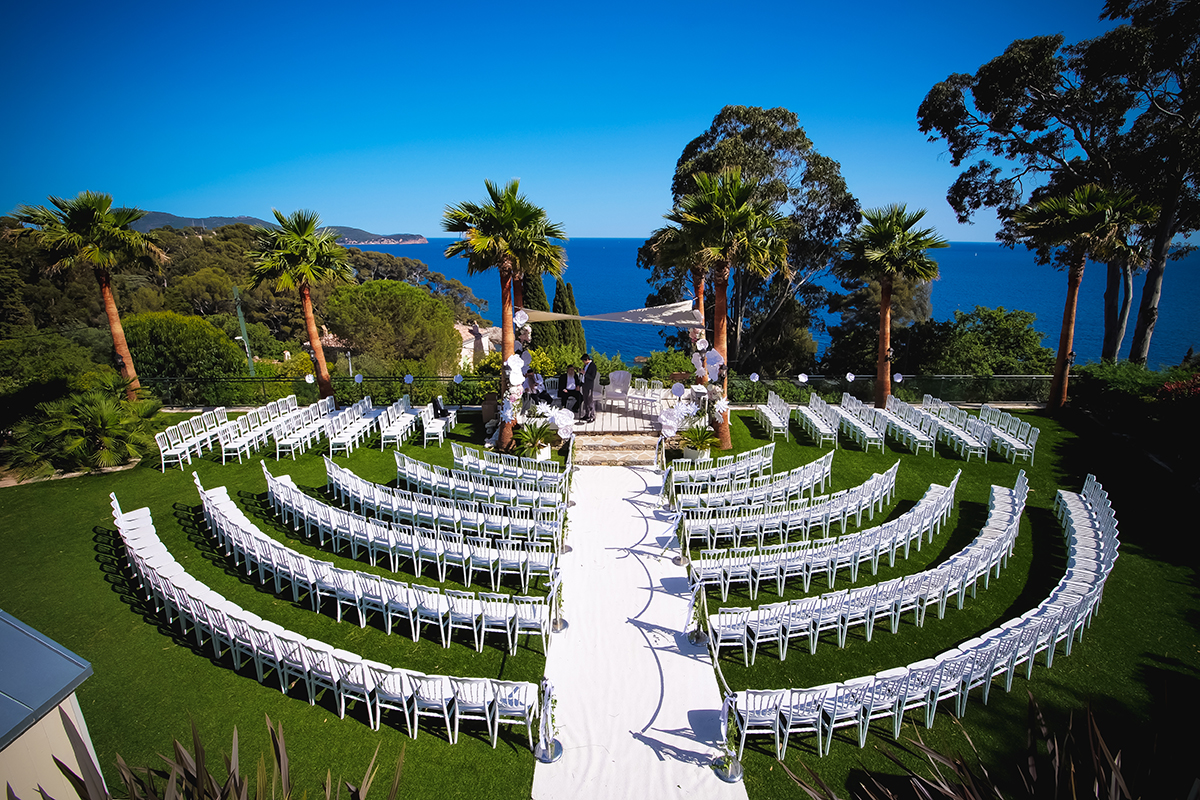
(620,420)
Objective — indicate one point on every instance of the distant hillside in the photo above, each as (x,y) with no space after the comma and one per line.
(349,236)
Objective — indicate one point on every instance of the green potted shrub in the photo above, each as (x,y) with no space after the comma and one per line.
(534,439)
(697,440)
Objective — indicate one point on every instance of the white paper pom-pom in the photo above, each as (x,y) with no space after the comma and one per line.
(850,377)
(458,378)
(722,405)
(754,377)
(702,344)
(520,318)
(802,377)
(677,389)
(408,379)
(713,358)
(898,378)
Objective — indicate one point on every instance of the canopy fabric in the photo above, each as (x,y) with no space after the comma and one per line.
(675,315)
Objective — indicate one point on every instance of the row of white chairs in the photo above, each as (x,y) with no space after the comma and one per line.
(795,519)
(751,464)
(424,511)
(722,568)
(795,484)
(260,555)
(954,674)
(254,429)
(294,659)
(397,423)
(351,426)
(775,414)
(861,422)
(1011,436)
(839,611)
(436,547)
(911,426)
(178,442)
(967,435)
(819,420)
(420,476)
(505,465)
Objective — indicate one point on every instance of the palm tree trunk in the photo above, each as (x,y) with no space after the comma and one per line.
(720,343)
(883,377)
(698,292)
(324,384)
(1066,339)
(507,345)
(124,359)
(519,292)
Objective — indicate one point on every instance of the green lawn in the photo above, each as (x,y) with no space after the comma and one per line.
(1137,665)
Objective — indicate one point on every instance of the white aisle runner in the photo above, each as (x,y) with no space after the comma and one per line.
(638,706)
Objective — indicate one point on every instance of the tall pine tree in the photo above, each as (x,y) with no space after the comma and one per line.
(545,334)
(576,326)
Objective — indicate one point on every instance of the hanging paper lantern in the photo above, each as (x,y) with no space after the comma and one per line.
(358,378)
(520,318)
(898,378)
(802,377)
(677,389)
(408,378)
(309,378)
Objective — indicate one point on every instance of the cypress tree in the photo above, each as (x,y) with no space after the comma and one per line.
(545,334)
(562,305)
(578,337)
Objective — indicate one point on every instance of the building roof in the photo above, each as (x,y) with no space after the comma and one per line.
(36,674)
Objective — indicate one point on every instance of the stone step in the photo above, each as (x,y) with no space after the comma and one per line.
(621,442)
(614,458)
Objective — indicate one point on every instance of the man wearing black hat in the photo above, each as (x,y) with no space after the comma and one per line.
(589,385)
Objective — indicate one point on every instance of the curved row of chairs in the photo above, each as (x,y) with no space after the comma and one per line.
(819,420)
(505,465)
(260,555)
(1091,531)
(418,510)
(966,434)
(750,464)
(433,547)
(795,484)
(254,429)
(795,519)
(295,659)
(457,484)
(803,559)
(839,611)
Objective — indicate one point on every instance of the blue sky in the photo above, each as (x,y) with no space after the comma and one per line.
(379,115)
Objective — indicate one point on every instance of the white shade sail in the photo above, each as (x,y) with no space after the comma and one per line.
(675,315)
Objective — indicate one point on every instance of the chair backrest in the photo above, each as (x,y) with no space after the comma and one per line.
(619,381)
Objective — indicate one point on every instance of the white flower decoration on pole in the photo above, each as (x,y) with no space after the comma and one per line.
(458,379)
(850,377)
(520,318)
(309,379)
(802,377)
(358,378)
(714,371)
(898,378)
(702,344)
(506,411)
(408,379)
(721,406)
(562,418)
(713,358)
(677,389)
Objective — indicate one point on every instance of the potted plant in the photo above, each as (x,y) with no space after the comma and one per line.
(534,439)
(697,440)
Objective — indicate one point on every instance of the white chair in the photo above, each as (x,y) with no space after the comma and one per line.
(846,704)
(466,614)
(766,625)
(498,616)
(515,703)
(532,616)
(432,697)
(803,712)
(617,390)
(474,699)
(171,453)
(758,712)
(393,689)
(354,683)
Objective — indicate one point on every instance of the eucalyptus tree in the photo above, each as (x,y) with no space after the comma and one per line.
(888,245)
(511,234)
(1121,110)
(87,231)
(729,227)
(298,255)
(1090,222)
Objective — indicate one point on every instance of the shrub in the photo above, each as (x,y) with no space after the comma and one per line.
(663,363)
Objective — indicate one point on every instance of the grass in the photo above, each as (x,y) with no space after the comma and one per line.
(1138,665)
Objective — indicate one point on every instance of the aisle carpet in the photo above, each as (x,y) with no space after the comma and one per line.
(638,706)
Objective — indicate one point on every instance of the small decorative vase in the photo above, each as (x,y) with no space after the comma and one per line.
(695,455)
(729,770)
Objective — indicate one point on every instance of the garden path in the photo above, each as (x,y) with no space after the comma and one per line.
(638,706)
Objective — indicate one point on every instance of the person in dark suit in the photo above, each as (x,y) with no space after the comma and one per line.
(589,386)
(570,387)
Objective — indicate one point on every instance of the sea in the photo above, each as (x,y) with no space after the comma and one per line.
(605,277)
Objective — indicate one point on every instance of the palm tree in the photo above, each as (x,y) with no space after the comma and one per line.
(298,255)
(1092,222)
(513,235)
(728,226)
(672,251)
(886,246)
(87,231)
